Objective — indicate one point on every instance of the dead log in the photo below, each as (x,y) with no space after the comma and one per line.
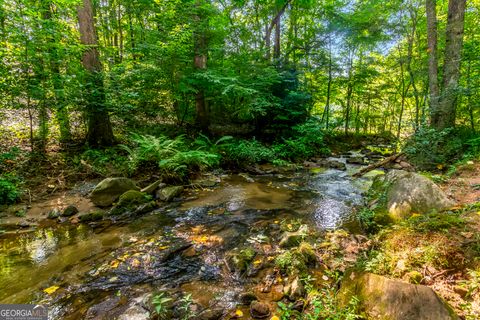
(377,165)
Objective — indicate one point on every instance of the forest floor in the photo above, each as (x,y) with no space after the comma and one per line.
(441,253)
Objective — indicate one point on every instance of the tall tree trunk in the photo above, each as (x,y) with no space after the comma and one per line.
(61,113)
(200,63)
(329,86)
(411,39)
(451,69)
(99,130)
(431,11)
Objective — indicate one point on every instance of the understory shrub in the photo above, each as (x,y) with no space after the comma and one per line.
(174,157)
(429,148)
(9,189)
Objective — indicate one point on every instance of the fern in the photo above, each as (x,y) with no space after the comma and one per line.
(172,156)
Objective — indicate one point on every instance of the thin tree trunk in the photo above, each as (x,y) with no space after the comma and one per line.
(431,11)
(329,85)
(200,63)
(99,129)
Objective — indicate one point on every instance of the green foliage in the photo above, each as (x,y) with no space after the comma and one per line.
(430,149)
(307,140)
(106,162)
(246,152)
(9,189)
(373,221)
(161,302)
(321,303)
(174,157)
(436,221)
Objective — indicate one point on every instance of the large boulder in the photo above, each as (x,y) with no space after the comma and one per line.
(108,190)
(385,299)
(405,193)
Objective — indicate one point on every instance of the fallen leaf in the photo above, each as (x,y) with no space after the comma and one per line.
(239,313)
(114,264)
(51,289)
(135,263)
(274,318)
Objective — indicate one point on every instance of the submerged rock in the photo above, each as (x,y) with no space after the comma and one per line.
(356,160)
(108,190)
(291,239)
(55,213)
(408,192)
(259,310)
(70,211)
(332,164)
(385,299)
(92,216)
(168,193)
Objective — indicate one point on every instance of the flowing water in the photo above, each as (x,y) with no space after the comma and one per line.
(96,270)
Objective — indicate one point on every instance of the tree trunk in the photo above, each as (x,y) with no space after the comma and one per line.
(329,85)
(61,113)
(451,69)
(200,63)
(431,11)
(99,130)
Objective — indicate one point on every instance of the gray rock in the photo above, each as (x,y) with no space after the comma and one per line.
(356,160)
(206,182)
(386,299)
(409,192)
(168,193)
(259,310)
(108,190)
(295,290)
(69,211)
(150,189)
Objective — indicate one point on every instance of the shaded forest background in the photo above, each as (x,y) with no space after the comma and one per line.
(281,79)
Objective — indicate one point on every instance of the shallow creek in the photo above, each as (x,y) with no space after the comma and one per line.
(100,268)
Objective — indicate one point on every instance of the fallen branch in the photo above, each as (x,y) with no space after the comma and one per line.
(377,164)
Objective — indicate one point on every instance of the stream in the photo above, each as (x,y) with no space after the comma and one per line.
(105,270)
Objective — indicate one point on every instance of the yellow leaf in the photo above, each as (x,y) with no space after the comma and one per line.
(113,279)
(114,264)
(274,318)
(51,289)
(256,262)
(163,247)
(135,263)
(239,313)
(439,166)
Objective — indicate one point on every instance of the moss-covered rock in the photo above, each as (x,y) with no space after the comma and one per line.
(386,299)
(70,211)
(168,193)
(400,194)
(239,261)
(108,190)
(92,216)
(131,198)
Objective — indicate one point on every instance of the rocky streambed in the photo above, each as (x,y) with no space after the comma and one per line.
(212,250)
